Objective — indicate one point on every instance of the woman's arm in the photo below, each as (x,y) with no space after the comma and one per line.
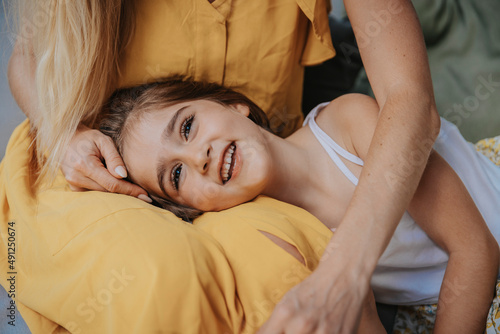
(393,52)
(394,55)
(446,212)
(21,75)
(83,163)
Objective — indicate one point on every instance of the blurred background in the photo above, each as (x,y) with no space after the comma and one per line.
(10,114)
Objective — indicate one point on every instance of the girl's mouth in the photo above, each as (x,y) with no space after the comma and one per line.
(226,170)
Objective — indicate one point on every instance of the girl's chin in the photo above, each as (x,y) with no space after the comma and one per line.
(220,205)
(232,203)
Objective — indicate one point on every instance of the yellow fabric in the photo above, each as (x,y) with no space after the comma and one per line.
(96,262)
(256,47)
(490,147)
(263,272)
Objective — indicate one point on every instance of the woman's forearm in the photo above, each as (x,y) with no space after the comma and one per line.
(394,164)
(21,74)
(393,52)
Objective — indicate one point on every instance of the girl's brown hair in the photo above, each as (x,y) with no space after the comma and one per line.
(126,105)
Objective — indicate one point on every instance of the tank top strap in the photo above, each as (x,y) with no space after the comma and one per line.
(331,147)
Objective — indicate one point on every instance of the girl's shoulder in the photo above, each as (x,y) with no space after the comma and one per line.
(350,120)
(348,109)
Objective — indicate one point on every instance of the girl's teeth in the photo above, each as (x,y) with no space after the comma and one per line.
(227,164)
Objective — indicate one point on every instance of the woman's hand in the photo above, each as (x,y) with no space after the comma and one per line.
(92,162)
(328,301)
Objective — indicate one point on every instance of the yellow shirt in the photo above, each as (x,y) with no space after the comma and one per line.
(255,47)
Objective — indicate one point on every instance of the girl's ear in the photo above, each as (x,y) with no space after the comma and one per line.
(241,108)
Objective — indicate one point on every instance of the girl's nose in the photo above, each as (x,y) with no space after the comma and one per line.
(202,160)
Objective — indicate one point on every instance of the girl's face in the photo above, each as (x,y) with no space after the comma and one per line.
(199,153)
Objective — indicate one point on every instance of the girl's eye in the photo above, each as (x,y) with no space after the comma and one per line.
(176,174)
(186,127)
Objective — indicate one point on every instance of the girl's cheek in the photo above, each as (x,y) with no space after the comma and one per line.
(204,196)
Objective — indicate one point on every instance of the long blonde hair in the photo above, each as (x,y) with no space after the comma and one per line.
(76,46)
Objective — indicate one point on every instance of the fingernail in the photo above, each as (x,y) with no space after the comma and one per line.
(121,171)
(145,198)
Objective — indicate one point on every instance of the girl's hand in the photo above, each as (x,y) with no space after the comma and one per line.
(328,301)
(92,162)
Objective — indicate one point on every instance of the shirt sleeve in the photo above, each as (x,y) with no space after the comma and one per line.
(318,47)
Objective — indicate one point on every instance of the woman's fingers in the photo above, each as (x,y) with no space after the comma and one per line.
(114,162)
(84,183)
(84,169)
(102,176)
(111,184)
(282,314)
(291,316)
(303,324)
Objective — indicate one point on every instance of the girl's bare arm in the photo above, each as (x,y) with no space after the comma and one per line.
(369,322)
(444,209)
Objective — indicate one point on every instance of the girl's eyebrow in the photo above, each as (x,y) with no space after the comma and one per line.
(161,169)
(171,125)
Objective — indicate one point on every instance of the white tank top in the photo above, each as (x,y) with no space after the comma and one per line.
(411,269)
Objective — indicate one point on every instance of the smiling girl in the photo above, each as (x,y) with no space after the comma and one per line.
(201,147)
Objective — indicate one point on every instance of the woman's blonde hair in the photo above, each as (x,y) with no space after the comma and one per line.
(76,47)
